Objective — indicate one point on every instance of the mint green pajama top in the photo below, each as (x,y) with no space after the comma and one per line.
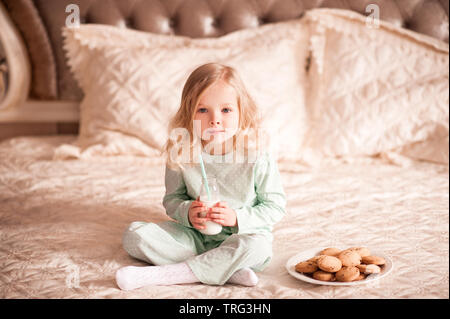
(252,188)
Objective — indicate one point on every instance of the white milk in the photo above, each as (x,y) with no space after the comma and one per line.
(212,228)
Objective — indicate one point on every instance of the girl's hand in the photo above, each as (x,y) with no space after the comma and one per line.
(196,208)
(221,214)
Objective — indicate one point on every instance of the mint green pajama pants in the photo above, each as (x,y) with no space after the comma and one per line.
(213,259)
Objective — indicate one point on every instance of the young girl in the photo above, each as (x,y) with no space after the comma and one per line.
(217,112)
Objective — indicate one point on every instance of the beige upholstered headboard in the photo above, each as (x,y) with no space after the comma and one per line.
(39,24)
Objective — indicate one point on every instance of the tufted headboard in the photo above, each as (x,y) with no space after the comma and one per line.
(40,22)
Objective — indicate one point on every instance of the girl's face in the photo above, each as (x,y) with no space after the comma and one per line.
(216,118)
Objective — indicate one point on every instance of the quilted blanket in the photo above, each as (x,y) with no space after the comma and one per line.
(61,224)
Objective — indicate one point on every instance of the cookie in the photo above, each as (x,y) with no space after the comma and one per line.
(362,251)
(347,274)
(323,275)
(330,252)
(373,260)
(306,267)
(369,269)
(349,258)
(329,263)
(315,258)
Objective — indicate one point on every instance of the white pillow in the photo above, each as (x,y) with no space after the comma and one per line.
(133,80)
(376,90)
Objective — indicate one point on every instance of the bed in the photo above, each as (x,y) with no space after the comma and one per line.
(66,199)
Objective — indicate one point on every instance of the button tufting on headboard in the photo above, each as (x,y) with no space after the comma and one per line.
(193,18)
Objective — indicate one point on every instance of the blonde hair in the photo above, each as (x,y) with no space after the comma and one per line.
(198,81)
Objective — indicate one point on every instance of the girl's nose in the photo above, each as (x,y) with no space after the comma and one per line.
(214,122)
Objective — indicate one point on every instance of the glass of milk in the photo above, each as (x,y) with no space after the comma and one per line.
(212,228)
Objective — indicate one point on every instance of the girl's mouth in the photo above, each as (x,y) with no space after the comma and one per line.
(215,131)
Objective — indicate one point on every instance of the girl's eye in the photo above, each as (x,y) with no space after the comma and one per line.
(202,110)
(226,110)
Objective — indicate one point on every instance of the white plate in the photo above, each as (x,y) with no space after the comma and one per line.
(305,255)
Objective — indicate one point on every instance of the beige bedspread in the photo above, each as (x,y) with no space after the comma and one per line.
(61,224)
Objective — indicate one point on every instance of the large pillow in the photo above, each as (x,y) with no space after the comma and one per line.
(376,89)
(133,80)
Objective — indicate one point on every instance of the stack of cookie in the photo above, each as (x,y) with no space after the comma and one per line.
(333,264)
